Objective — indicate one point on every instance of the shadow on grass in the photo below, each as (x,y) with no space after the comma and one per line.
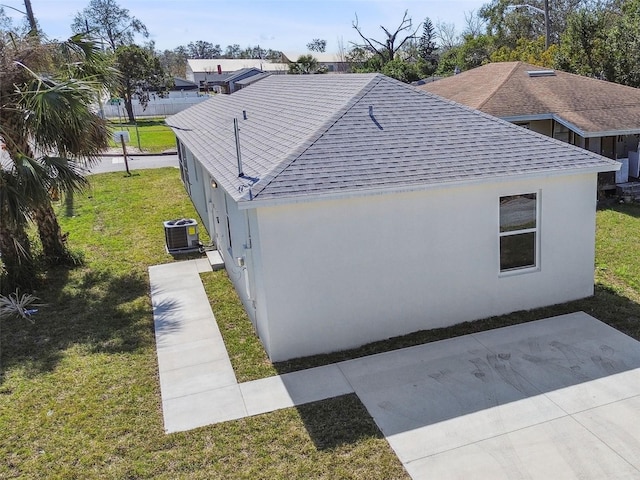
(631,209)
(97,312)
(338,421)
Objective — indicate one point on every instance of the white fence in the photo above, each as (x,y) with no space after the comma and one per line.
(158,107)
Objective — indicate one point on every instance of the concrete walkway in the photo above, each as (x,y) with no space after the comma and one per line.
(556,398)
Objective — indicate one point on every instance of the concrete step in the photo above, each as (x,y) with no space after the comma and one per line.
(215,259)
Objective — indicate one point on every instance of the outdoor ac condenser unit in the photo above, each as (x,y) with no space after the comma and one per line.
(181,235)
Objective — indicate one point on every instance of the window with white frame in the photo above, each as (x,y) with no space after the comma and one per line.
(518,232)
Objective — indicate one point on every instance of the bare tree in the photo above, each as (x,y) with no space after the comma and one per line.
(388,48)
(446,35)
(341,55)
(475,25)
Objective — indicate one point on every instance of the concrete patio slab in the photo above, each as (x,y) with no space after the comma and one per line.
(559,449)
(617,424)
(462,404)
(439,396)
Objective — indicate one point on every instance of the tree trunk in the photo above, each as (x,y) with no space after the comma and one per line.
(54,247)
(15,252)
(128,105)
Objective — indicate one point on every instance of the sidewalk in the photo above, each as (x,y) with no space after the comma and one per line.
(197,381)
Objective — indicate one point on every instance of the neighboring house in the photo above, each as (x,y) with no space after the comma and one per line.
(180,84)
(361,209)
(600,116)
(228,82)
(202,71)
(332,62)
(245,82)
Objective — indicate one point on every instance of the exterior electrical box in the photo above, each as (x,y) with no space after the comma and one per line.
(181,235)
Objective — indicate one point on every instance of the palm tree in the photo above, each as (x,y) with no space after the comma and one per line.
(50,133)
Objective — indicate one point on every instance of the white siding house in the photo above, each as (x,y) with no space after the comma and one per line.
(367,209)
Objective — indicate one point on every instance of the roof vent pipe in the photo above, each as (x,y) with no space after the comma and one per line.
(236,130)
(244,114)
(371,110)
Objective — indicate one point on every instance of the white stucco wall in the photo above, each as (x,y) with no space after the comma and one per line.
(337,274)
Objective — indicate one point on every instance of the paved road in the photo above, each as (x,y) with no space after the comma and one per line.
(116,164)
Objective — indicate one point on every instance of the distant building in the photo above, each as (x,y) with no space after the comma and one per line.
(205,72)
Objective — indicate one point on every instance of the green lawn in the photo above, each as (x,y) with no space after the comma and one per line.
(79,397)
(154,136)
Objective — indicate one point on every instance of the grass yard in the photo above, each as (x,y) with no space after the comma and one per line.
(154,135)
(79,393)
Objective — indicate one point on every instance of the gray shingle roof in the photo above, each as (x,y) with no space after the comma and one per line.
(314,135)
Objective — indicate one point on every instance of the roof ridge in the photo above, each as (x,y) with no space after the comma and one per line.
(281,166)
(497,87)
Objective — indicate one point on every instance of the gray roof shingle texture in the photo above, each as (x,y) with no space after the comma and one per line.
(505,89)
(314,135)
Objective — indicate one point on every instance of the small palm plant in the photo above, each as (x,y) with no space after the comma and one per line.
(19,305)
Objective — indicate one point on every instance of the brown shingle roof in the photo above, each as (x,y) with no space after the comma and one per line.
(591,107)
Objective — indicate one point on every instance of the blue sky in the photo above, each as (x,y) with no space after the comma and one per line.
(277,24)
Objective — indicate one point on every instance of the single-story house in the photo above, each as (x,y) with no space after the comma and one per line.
(202,71)
(180,84)
(600,116)
(245,82)
(228,82)
(332,62)
(354,208)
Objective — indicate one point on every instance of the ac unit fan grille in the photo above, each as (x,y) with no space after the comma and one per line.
(177,238)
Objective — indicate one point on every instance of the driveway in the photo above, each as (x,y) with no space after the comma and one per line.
(553,399)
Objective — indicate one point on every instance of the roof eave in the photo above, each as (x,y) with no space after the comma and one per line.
(527,118)
(246,204)
(612,133)
(571,126)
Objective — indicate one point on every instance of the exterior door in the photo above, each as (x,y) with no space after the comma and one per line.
(211,218)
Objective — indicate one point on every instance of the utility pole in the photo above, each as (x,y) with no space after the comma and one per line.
(547,25)
(32,20)
(547,20)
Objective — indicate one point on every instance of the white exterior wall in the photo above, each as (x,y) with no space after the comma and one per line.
(338,274)
(197,179)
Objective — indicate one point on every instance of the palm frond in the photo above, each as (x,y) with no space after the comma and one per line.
(59,118)
(14,202)
(64,174)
